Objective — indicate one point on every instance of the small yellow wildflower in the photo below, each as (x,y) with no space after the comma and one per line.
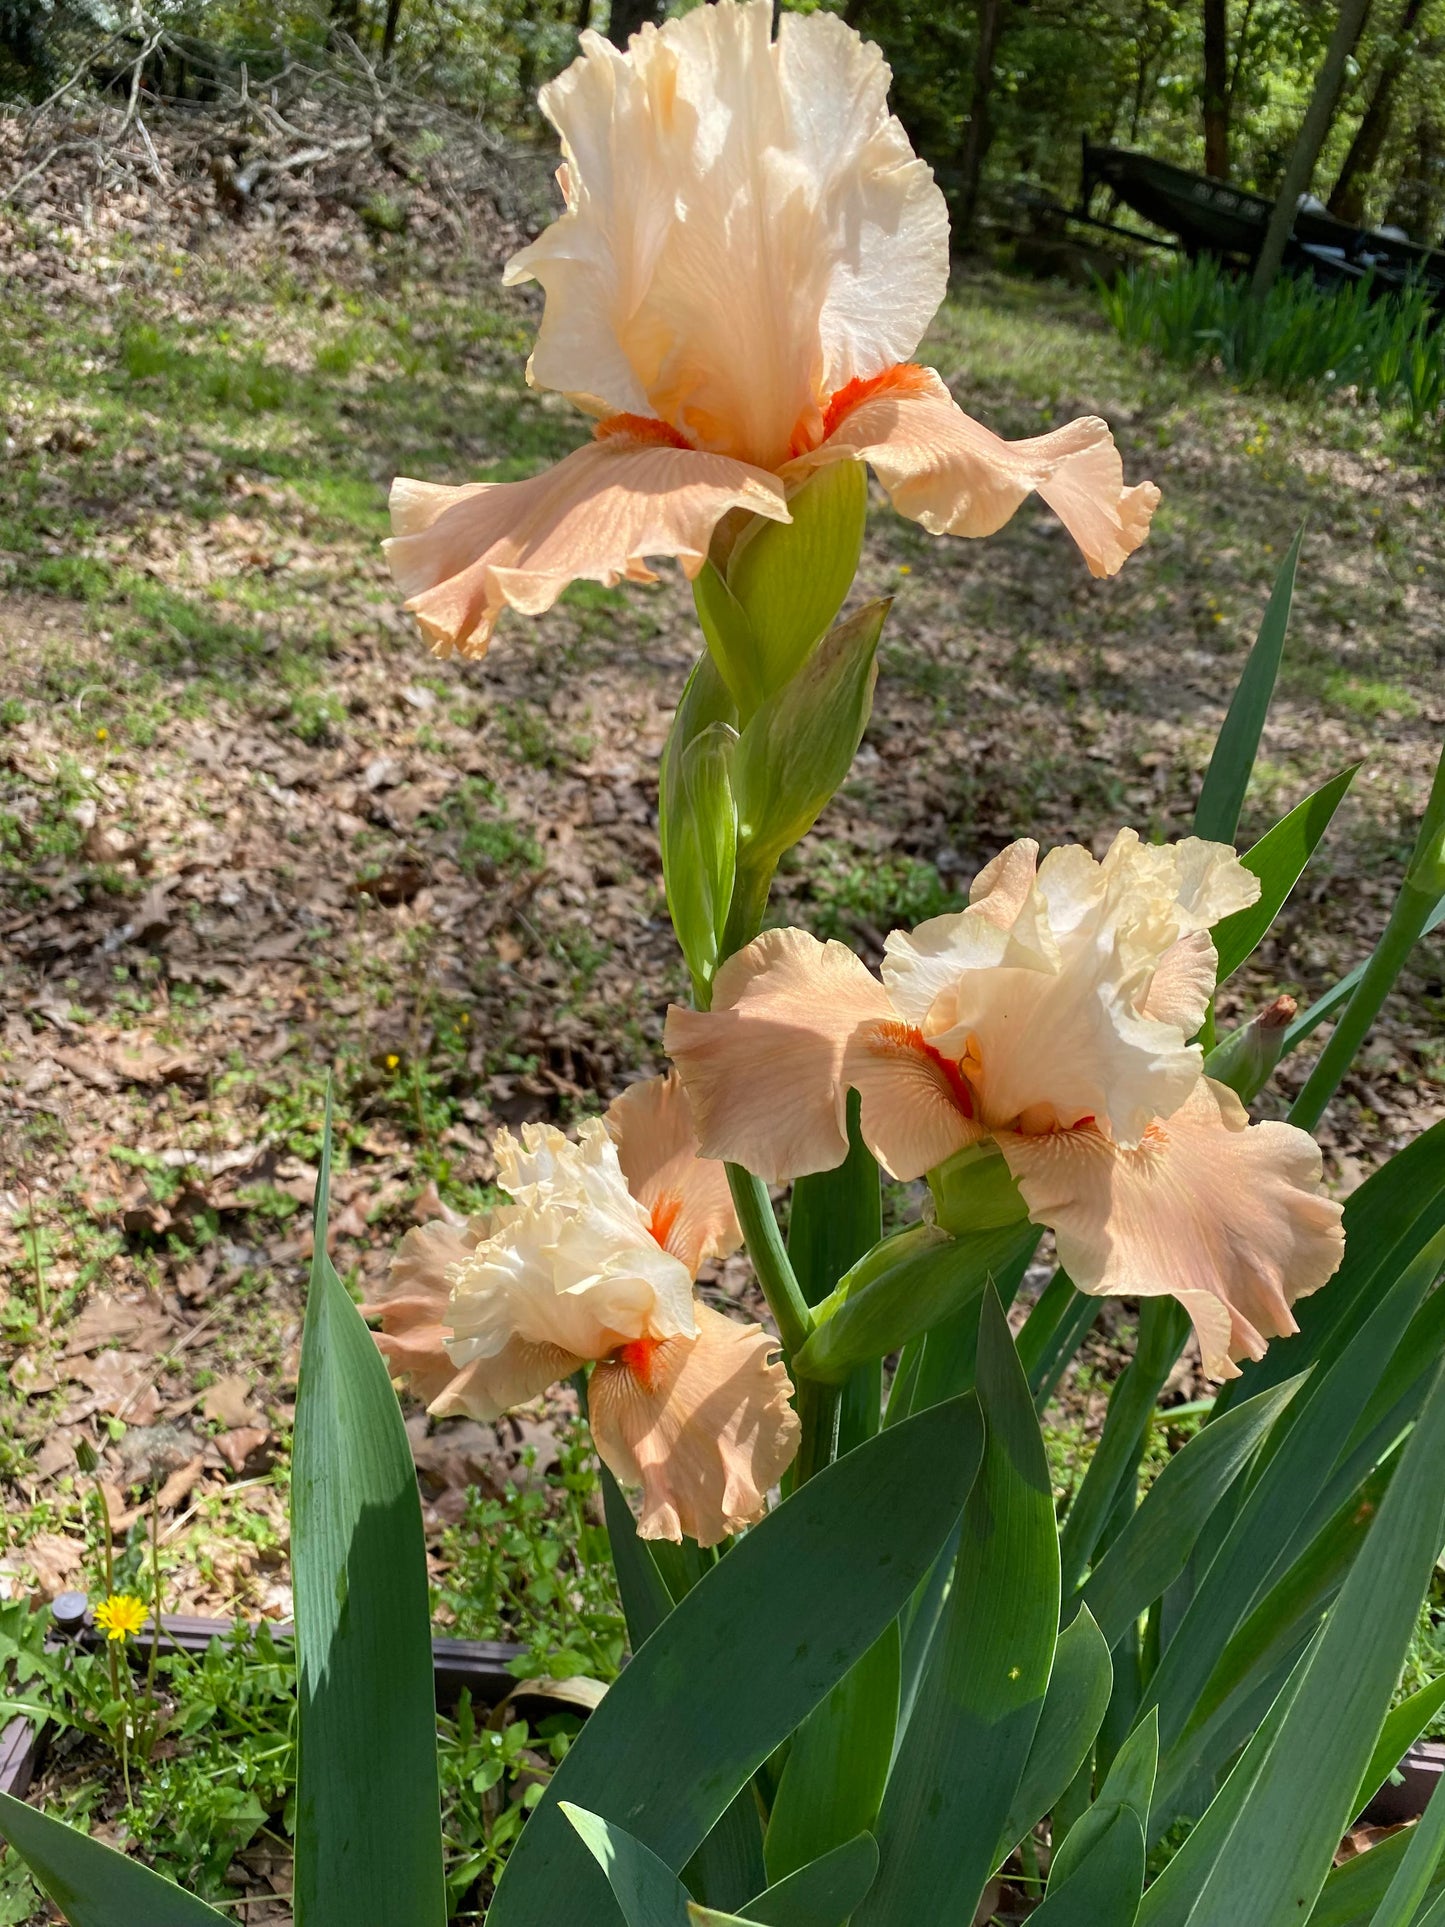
(121,1615)
(102,735)
(905,568)
(392,1060)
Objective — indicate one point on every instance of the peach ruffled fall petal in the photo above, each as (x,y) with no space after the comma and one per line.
(763,1069)
(702,1424)
(462,555)
(916,1109)
(687,1195)
(1225,1215)
(956,477)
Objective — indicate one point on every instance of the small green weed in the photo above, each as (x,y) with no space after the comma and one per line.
(894,891)
(488,842)
(531,1567)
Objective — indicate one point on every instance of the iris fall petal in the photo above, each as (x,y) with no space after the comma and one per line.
(763,1069)
(462,555)
(702,1425)
(1223,1214)
(915,1108)
(956,477)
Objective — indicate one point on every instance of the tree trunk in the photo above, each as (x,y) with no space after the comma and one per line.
(388,32)
(1300,167)
(980,127)
(1415,200)
(583,18)
(628,16)
(1347,197)
(345,18)
(1216,89)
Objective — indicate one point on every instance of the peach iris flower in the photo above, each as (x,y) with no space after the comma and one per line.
(594,1260)
(750,254)
(1052,1016)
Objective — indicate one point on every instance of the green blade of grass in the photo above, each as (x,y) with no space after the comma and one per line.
(1278,860)
(824,1893)
(1221,796)
(964,1752)
(1073,1711)
(368,1818)
(1405,1724)
(740,1661)
(92,1884)
(1151,1551)
(1413,907)
(1267,1854)
(1407,1891)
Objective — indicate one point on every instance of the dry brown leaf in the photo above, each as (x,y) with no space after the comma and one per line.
(227,1402)
(236,1447)
(178,1486)
(55,1560)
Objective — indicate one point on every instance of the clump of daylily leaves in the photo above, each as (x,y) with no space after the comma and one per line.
(871,1666)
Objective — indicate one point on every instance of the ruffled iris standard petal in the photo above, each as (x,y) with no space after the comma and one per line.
(956,477)
(763,1069)
(571,1270)
(703,1425)
(746,229)
(1224,1215)
(462,555)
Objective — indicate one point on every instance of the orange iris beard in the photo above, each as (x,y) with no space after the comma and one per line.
(951,1072)
(641,428)
(637,1358)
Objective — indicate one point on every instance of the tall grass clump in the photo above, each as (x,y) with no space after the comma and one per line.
(1300,336)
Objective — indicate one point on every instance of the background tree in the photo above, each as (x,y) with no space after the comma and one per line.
(1347,197)
(1216,88)
(979,128)
(628,16)
(1315,126)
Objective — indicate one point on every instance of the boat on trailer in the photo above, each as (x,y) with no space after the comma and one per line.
(1214,217)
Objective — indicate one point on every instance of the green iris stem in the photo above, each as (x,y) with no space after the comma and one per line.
(770,1258)
(751,886)
(819,1408)
(1420,896)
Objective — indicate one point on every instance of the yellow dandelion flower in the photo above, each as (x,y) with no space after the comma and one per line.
(121,1615)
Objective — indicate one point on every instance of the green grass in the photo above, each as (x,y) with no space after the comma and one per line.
(1299,339)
